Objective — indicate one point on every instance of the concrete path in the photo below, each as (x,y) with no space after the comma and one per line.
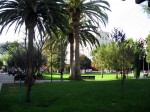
(42,81)
(5,78)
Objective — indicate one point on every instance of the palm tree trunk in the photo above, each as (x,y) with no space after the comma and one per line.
(77,57)
(30,62)
(71,60)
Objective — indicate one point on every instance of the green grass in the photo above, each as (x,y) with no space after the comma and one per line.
(55,76)
(79,96)
(98,76)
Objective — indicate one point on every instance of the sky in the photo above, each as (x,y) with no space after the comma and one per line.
(129,17)
(125,15)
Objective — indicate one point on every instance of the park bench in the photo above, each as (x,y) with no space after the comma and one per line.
(19,77)
(145,74)
(88,77)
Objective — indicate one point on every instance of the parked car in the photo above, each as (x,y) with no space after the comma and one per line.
(12,71)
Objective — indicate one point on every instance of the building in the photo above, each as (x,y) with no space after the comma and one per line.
(105,37)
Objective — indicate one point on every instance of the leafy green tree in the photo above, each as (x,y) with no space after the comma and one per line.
(1,64)
(138,56)
(100,58)
(17,56)
(85,62)
(148,49)
(116,55)
(114,61)
(55,50)
(109,56)
(119,37)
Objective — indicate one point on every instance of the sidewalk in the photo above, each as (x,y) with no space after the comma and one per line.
(43,81)
(5,78)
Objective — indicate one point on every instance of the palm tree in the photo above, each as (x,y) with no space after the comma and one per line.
(40,14)
(87,37)
(93,11)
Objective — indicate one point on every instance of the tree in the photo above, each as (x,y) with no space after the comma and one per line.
(114,60)
(1,64)
(17,56)
(148,49)
(87,36)
(41,14)
(93,11)
(138,56)
(119,37)
(146,9)
(55,50)
(85,62)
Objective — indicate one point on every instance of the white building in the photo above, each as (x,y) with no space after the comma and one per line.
(105,38)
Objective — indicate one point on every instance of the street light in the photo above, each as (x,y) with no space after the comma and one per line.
(148,68)
(143,64)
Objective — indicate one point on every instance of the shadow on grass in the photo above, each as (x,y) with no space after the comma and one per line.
(79,96)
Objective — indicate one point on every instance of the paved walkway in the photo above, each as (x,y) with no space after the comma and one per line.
(5,78)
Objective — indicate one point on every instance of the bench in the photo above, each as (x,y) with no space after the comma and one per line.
(88,77)
(145,74)
(19,77)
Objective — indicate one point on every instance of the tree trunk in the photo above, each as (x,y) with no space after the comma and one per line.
(71,41)
(136,65)
(30,62)
(77,57)
(71,60)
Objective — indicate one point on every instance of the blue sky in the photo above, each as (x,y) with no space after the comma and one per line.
(129,17)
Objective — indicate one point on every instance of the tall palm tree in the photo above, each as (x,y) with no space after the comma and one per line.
(87,37)
(41,14)
(94,11)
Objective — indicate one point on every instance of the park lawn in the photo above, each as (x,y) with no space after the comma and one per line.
(79,96)
(55,76)
(98,76)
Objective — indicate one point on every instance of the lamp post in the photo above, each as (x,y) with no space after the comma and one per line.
(143,64)
(148,68)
